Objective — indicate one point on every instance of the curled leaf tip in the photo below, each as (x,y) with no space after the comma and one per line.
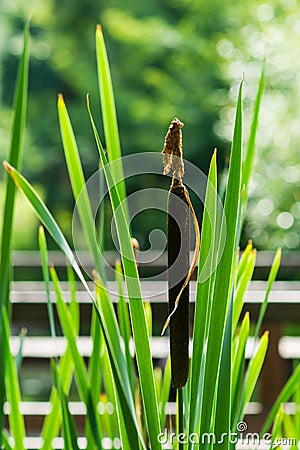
(165,325)
(99,29)
(88,102)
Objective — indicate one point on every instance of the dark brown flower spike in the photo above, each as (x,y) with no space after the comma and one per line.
(180,270)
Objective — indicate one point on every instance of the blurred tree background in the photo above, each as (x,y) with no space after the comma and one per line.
(168,58)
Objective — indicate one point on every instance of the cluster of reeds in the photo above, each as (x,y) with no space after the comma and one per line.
(213,397)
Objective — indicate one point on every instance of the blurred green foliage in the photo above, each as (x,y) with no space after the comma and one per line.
(168,58)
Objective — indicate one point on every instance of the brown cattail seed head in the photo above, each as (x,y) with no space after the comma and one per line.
(173,147)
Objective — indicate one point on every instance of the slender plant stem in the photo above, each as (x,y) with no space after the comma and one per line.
(180,417)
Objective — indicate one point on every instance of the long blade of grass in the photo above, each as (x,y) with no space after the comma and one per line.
(104,304)
(296,399)
(138,321)
(68,427)
(244,260)
(53,420)
(271,279)
(250,152)
(165,392)
(94,364)
(202,306)
(223,273)
(124,321)
(65,367)
(107,319)
(19,355)
(78,184)
(222,411)
(45,265)
(241,288)
(239,364)
(287,391)
(276,429)
(289,429)
(253,372)
(5,440)
(115,424)
(82,379)
(109,114)
(16,420)
(14,158)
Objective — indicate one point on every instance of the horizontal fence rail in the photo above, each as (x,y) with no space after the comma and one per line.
(152,258)
(27,263)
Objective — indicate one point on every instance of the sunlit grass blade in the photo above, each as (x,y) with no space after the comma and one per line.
(5,440)
(287,391)
(105,305)
(222,417)
(14,158)
(253,372)
(244,260)
(124,323)
(52,421)
(289,429)
(116,423)
(82,379)
(250,151)
(101,219)
(223,274)
(296,399)
(94,364)
(109,114)
(76,175)
(73,305)
(239,364)
(203,293)
(16,420)
(45,269)
(271,279)
(107,318)
(165,392)
(276,429)
(138,321)
(19,355)
(68,427)
(46,218)
(241,288)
